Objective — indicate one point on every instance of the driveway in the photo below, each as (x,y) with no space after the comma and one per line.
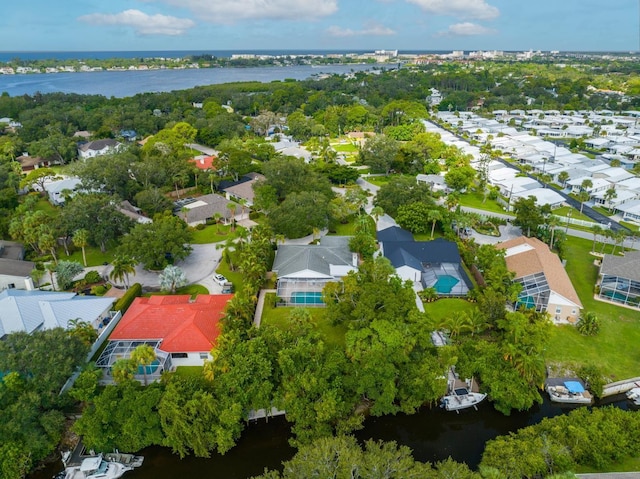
(199,268)
(507,232)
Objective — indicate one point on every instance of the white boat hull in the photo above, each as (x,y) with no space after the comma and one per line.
(560,394)
(634,396)
(457,402)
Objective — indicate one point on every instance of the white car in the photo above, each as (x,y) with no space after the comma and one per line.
(218,278)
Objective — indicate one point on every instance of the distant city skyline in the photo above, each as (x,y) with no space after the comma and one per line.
(86,25)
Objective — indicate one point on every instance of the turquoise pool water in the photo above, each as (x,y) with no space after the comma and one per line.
(150,369)
(306,297)
(526,302)
(445,284)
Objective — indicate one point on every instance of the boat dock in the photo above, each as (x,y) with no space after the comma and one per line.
(262,413)
(620,387)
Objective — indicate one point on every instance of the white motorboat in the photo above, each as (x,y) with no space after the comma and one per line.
(634,396)
(461,394)
(96,467)
(462,398)
(570,392)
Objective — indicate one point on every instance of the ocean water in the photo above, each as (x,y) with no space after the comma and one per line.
(128,83)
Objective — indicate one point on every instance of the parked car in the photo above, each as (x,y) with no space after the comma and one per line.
(220,279)
(227,288)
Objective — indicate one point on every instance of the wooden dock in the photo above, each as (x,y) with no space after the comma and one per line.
(262,413)
(620,387)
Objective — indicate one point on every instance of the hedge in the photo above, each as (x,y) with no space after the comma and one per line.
(132,293)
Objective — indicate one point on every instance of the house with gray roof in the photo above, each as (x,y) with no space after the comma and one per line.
(14,271)
(195,211)
(304,270)
(620,279)
(434,264)
(97,148)
(31,311)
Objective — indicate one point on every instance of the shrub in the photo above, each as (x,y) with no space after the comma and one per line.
(132,293)
(201,226)
(92,277)
(99,290)
(588,324)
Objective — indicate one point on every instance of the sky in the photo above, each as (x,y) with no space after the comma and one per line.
(241,25)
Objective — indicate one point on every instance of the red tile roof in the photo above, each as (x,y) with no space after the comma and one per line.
(183,325)
(203,162)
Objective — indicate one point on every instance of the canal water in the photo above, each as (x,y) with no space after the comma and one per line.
(433,434)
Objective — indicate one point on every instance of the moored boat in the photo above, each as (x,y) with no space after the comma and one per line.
(634,396)
(101,467)
(462,398)
(569,392)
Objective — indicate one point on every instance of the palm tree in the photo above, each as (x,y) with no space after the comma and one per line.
(618,239)
(171,278)
(228,247)
(216,218)
(316,233)
(596,229)
(434,215)
(81,240)
(552,222)
(452,200)
(232,209)
(143,356)
(123,266)
(609,195)
(583,196)
(123,370)
(47,242)
(563,177)
(377,212)
(51,268)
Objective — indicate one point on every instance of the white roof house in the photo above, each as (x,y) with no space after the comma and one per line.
(97,148)
(56,190)
(543,196)
(630,211)
(31,311)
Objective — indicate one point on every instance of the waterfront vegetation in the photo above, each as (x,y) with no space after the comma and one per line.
(369,351)
(612,350)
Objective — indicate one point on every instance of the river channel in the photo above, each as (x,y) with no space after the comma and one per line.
(433,434)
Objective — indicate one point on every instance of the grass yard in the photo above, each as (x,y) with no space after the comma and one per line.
(95,257)
(474,200)
(615,348)
(575,214)
(193,290)
(632,226)
(189,372)
(349,229)
(344,147)
(211,234)
(234,276)
(278,317)
(443,308)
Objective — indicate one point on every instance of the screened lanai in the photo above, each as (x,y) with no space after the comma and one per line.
(621,279)
(535,292)
(116,350)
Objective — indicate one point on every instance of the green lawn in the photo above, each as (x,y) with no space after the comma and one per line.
(444,307)
(44,205)
(211,234)
(575,213)
(278,317)
(615,348)
(95,257)
(349,229)
(474,200)
(345,147)
(234,276)
(193,290)
(631,226)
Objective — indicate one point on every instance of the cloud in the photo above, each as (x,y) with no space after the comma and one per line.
(466,29)
(373,29)
(230,11)
(142,23)
(479,9)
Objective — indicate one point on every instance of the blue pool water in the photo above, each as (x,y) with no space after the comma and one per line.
(150,369)
(306,297)
(526,302)
(445,284)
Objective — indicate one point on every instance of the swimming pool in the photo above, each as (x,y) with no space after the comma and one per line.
(306,297)
(150,369)
(445,284)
